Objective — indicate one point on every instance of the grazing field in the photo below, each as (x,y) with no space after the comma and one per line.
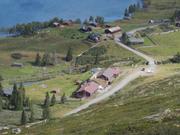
(50,39)
(167,46)
(113,54)
(143,106)
(62,84)
(53,78)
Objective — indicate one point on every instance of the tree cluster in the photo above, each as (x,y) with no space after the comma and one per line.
(51,101)
(25,118)
(124,38)
(132,9)
(69,55)
(33,27)
(18,98)
(93,56)
(46,105)
(98,19)
(4,102)
(176,58)
(48,59)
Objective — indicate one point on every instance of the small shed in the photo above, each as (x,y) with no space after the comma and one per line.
(113,30)
(17,65)
(56,24)
(7,92)
(95,37)
(177,22)
(85,29)
(135,41)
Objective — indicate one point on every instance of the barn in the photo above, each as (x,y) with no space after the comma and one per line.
(113,30)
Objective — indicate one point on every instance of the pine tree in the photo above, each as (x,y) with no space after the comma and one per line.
(23,92)
(63,98)
(85,22)
(23,118)
(45,60)
(1,90)
(14,97)
(138,5)
(46,113)
(53,59)
(19,104)
(91,19)
(1,104)
(69,55)
(32,119)
(37,60)
(176,58)
(27,102)
(53,100)
(96,59)
(6,103)
(47,100)
(126,12)
(124,38)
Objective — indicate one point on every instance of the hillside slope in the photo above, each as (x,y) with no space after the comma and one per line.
(144,106)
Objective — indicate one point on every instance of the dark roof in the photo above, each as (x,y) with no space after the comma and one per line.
(17,64)
(8,91)
(136,40)
(109,73)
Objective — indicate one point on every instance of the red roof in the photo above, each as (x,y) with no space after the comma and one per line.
(90,87)
(110,73)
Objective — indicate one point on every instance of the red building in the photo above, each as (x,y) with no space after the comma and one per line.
(87,89)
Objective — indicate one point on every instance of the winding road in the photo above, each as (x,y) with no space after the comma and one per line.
(124,82)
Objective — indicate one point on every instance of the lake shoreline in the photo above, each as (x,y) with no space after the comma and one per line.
(40,11)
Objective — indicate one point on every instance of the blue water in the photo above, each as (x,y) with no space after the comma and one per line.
(21,11)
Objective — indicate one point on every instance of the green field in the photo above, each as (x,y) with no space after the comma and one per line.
(141,108)
(52,77)
(167,46)
(125,112)
(51,39)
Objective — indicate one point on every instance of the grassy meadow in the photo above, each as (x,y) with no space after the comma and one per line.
(167,45)
(129,112)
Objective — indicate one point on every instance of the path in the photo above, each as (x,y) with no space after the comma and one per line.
(151,67)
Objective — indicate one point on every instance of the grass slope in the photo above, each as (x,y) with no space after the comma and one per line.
(167,46)
(124,113)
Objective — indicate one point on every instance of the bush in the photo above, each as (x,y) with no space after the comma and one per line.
(176,58)
(16,56)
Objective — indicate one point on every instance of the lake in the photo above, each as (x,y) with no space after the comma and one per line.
(22,11)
